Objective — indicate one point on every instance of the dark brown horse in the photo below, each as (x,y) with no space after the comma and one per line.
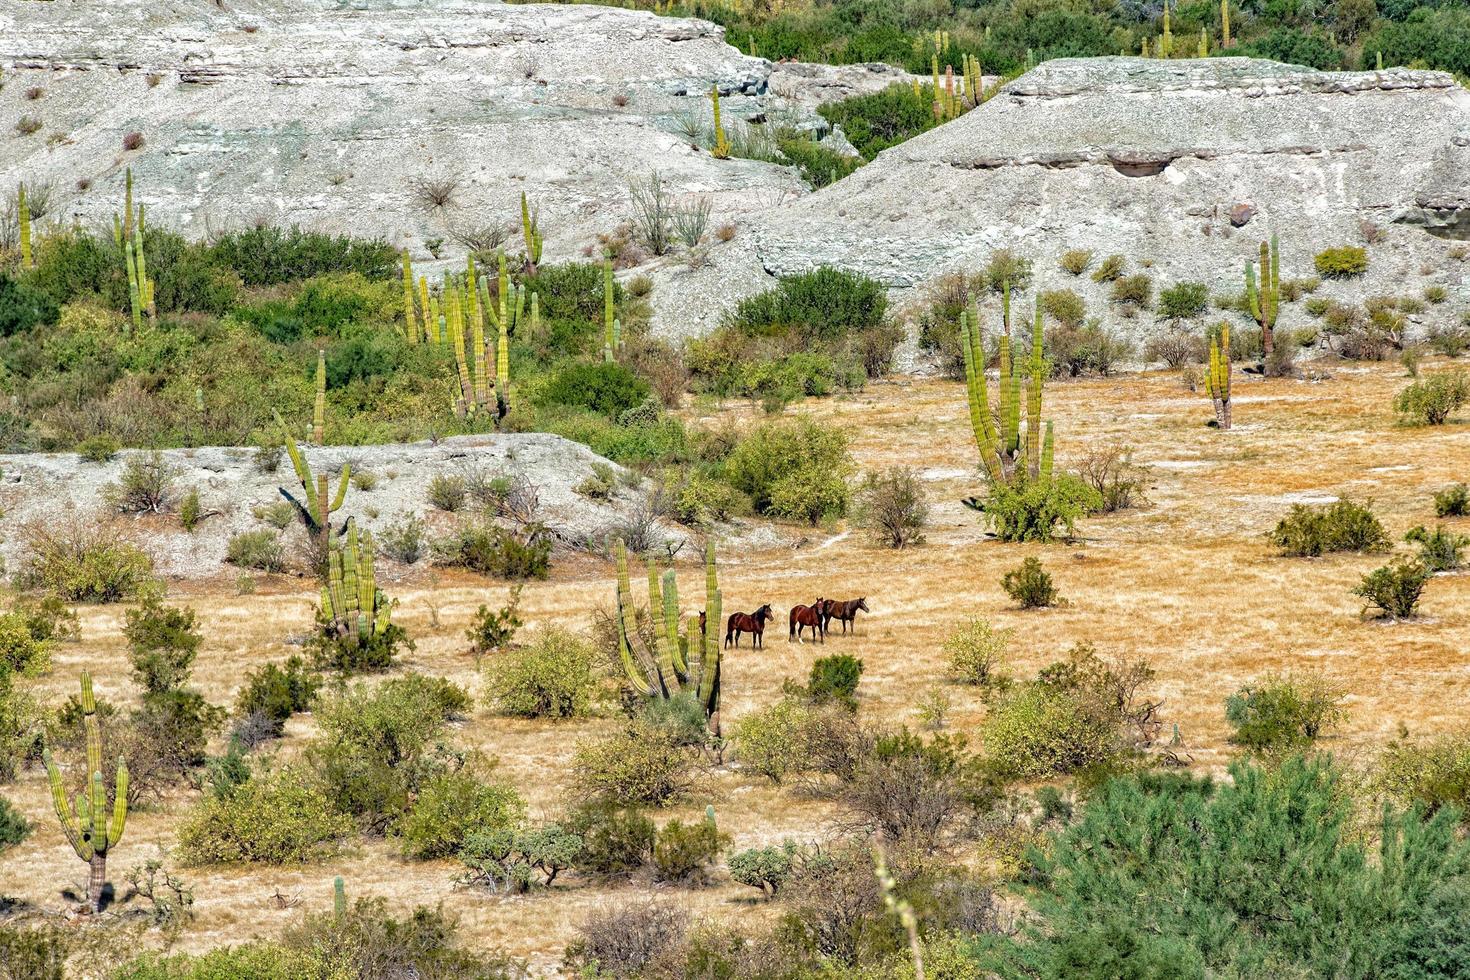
(844,612)
(753,623)
(804,616)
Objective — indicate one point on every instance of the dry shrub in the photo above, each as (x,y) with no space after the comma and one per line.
(1118,480)
(628,940)
(434,193)
(133,141)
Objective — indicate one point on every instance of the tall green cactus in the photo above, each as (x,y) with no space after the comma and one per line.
(1217,381)
(411,319)
(721,149)
(1265,299)
(1010,453)
(1225,41)
(23,209)
(317,433)
(87,827)
(352,606)
(673,662)
(317,504)
(531,232)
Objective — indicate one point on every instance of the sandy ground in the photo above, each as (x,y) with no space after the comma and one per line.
(1188,582)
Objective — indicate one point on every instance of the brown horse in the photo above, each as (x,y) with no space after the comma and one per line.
(753,623)
(804,616)
(844,612)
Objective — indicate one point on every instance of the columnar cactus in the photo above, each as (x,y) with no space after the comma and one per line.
(611,332)
(431,316)
(23,210)
(722,144)
(1166,41)
(411,320)
(1217,381)
(1265,299)
(317,434)
(317,503)
(674,662)
(352,606)
(1225,41)
(531,232)
(87,827)
(1006,456)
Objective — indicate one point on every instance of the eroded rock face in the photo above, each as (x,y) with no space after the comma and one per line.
(1154,160)
(324,113)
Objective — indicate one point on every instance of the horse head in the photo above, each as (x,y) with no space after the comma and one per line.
(763,614)
(863,605)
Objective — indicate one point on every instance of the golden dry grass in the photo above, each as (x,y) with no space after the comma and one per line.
(1189,583)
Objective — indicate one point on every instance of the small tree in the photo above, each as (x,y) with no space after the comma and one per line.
(1030,585)
(893,505)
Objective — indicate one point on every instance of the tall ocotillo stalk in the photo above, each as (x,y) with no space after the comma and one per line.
(721,148)
(317,433)
(1265,299)
(352,606)
(87,827)
(531,232)
(1217,381)
(673,663)
(23,210)
(1009,453)
(317,503)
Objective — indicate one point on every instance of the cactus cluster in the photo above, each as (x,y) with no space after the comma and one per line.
(127,234)
(86,825)
(352,606)
(317,503)
(674,662)
(1265,298)
(1217,381)
(1012,449)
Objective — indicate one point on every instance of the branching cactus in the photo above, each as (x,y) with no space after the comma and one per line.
(1010,453)
(673,663)
(316,505)
(531,232)
(23,210)
(1217,381)
(1265,299)
(86,825)
(351,603)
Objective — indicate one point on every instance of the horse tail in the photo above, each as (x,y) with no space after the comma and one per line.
(793,621)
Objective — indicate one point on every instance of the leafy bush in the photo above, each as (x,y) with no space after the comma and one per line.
(1184,301)
(975,650)
(553,678)
(893,506)
(34,952)
(1029,585)
(22,651)
(1065,306)
(643,765)
(284,817)
(1339,526)
(266,255)
(1452,501)
(509,860)
(277,693)
(360,654)
(1085,349)
(1432,400)
(453,805)
(766,868)
(822,305)
(1006,268)
(98,449)
(1341,263)
(1117,479)
(819,165)
(1033,510)
(22,307)
(881,119)
(835,678)
(810,494)
(495,630)
(492,550)
(1132,292)
(14,828)
(616,840)
(1076,261)
(403,541)
(1110,269)
(162,644)
(1395,589)
(447,492)
(1283,713)
(1433,774)
(796,460)
(260,549)
(684,852)
(608,389)
(146,485)
(1439,550)
(83,564)
(772,741)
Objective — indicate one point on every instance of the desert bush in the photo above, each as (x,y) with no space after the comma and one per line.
(453,805)
(276,693)
(22,651)
(1184,301)
(1109,269)
(625,940)
(644,764)
(1283,713)
(23,307)
(1432,774)
(21,721)
(609,389)
(98,449)
(266,255)
(146,485)
(283,817)
(893,506)
(766,868)
(1076,261)
(14,828)
(1395,589)
(495,630)
(1344,262)
(1132,292)
(162,644)
(447,492)
(34,951)
(797,462)
(403,541)
(511,860)
(1432,400)
(834,679)
(361,654)
(878,120)
(653,217)
(1030,586)
(1004,269)
(912,792)
(524,553)
(824,304)
(772,741)
(1340,526)
(1118,480)
(975,651)
(1085,349)
(80,563)
(683,853)
(1452,501)
(1449,341)
(616,840)
(191,509)
(552,678)
(259,549)
(1439,550)
(1034,510)
(1065,306)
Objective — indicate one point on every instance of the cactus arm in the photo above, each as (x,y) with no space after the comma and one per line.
(626,623)
(678,662)
(64,814)
(98,813)
(1033,398)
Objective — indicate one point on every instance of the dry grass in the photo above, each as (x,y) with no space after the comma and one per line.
(1189,583)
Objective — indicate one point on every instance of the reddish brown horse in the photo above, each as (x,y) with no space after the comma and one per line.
(804,616)
(753,623)
(844,612)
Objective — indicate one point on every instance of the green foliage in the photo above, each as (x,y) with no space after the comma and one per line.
(819,165)
(347,654)
(1087,349)
(510,860)
(1440,549)
(1184,300)
(1283,713)
(22,651)
(796,462)
(1006,268)
(448,492)
(34,952)
(835,678)
(874,122)
(1029,585)
(773,741)
(1132,292)
(1395,589)
(1064,306)
(1432,400)
(453,805)
(1035,731)
(1033,510)
(822,305)
(810,494)
(1339,526)
(23,307)
(1433,774)
(1076,261)
(893,506)
(83,564)
(616,840)
(976,650)
(1452,501)
(98,449)
(283,817)
(277,693)
(644,764)
(766,868)
(1109,269)
(683,853)
(553,678)
(493,550)
(162,644)
(1218,851)
(1346,262)
(268,255)
(259,549)
(14,827)
(607,388)
(495,630)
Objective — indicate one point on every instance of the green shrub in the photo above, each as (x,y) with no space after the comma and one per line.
(1283,713)
(835,679)
(1006,268)
(766,868)
(881,119)
(34,951)
(1449,341)
(1439,550)
(1065,306)
(1030,586)
(146,485)
(162,644)
(510,860)
(553,678)
(447,492)
(976,650)
(259,549)
(1087,349)
(825,304)
(819,165)
(98,449)
(1110,269)
(495,630)
(403,541)
(810,494)
(14,828)
(616,840)
(608,389)
(798,458)
(683,852)
(22,652)
(643,765)
(1033,510)
(246,962)
(361,654)
(1132,292)
(83,564)
(1076,261)
(1183,301)
(453,805)
(492,550)
(23,307)
(283,817)
(1339,526)
(1452,501)
(277,693)
(772,741)
(1433,774)
(1395,589)
(893,506)
(1342,263)
(1036,731)
(266,255)
(1432,400)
